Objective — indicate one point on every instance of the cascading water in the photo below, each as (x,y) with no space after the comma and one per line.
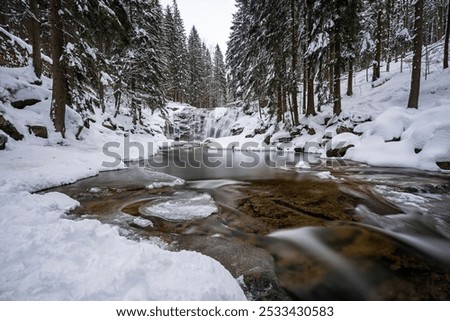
(198,124)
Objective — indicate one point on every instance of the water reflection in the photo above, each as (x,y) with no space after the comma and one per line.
(199,163)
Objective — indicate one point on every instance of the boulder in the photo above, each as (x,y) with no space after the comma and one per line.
(237,131)
(339,152)
(21,104)
(311,131)
(9,129)
(343,129)
(38,131)
(3,141)
(444,165)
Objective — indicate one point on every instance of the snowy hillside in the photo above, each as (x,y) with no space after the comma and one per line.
(375,125)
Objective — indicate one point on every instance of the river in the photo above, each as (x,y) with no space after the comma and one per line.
(326,230)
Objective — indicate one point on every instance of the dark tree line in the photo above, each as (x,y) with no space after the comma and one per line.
(293,54)
(133,49)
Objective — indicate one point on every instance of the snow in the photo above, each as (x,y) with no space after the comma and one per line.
(182,206)
(24,45)
(426,131)
(302,165)
(46,256)
(398,136)
(142,222)
(325,175)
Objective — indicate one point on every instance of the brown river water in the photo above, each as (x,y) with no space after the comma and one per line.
(335,231)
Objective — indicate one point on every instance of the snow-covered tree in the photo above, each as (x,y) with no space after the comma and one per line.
(195,68)
(219,84)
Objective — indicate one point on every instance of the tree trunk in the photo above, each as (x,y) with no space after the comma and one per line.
(133,101)
(305,86)
(337,108)
(377,61)
(117,96)
(388,35)
(294,105)
(331,72)
(447,36)
(417,59)
(278,80)
(4,10)
(101,93)
(58,108)
(310,110)
(350,78)
(34,29)
(279,102)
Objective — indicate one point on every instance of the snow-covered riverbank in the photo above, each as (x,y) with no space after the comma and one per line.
(45,256)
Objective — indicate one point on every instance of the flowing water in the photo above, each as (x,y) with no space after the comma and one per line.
(334,231)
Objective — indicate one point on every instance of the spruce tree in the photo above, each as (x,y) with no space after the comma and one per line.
(219,86)
(195,68)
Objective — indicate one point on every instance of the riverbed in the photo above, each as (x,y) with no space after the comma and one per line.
(287,226)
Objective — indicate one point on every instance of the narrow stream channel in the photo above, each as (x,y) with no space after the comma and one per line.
(334,231)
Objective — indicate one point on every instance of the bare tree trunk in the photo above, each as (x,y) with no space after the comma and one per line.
(58,109)
(417,59)
(34,29)
(350,78)
(447,36)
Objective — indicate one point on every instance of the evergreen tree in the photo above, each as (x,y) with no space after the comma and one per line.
(219,84)
(175,54)
(144,72)
(195,69)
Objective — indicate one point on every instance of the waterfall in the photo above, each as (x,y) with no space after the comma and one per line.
(198,124)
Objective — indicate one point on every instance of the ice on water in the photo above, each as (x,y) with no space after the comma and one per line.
(182,206)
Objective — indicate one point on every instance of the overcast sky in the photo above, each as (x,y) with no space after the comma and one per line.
(211,17)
